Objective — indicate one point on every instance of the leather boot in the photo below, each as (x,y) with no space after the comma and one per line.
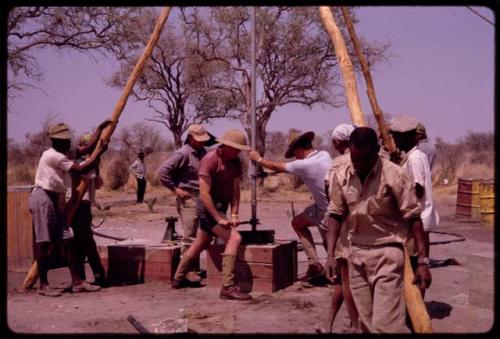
(180,279)
(228,264)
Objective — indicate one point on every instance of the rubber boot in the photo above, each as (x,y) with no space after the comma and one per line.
(180,280)
(229,290)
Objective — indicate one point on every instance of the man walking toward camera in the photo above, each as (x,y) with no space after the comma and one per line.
(376,201)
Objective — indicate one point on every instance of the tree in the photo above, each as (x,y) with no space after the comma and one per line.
(295,62)
(166,83)
(89,30)
(140,137)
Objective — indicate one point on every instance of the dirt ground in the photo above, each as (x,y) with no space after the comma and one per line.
(296,309)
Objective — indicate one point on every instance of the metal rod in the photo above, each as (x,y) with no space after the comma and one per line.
(253,169)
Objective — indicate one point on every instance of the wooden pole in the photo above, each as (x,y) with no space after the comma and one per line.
(29,280)
(345,64)
(377,112)
(74,202)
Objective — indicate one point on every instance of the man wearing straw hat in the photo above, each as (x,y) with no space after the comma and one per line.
(219,179)
(46,201)
(311,167)
(82,221)
(179,173)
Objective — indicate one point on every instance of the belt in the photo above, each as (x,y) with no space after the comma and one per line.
(370,247)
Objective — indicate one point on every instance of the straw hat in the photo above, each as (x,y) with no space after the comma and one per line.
(294,138)
(234,138)
(59,131)
(84,139)
(198,132)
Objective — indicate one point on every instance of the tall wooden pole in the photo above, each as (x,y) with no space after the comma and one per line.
(76,198)
(377,112)
(345,64)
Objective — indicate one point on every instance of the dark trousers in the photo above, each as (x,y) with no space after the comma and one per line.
(141,188)
(85,245)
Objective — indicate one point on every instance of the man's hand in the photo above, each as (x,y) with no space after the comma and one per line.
(235,220)
(423,277)
(331,269)
(224,222)
(254,155)
(182,193)
(104,124)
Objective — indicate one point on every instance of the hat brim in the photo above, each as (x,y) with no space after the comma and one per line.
(233,144)
(201,138)
(61,135)
(307,136)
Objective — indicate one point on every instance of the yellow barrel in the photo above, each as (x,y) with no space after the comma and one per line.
(468,201)
(19,229)
(487,197)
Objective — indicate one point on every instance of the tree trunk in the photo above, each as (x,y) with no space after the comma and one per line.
(377,112)
(345,64)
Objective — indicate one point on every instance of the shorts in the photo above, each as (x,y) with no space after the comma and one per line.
(206,222)
(48,220)
(316,216)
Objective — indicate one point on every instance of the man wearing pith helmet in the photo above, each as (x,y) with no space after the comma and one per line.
(179,173)
(310,166)
(219,179)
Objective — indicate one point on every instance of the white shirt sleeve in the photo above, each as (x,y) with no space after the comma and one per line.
(62,162)
(295,167)
(417,167)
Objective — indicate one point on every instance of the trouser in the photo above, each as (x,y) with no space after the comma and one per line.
(376,282)
(186,208)
(85,245)
(141,189)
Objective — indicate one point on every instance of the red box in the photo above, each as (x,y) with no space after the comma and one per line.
(262,268)
(133,264)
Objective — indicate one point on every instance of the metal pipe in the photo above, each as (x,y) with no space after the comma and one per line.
(253,169)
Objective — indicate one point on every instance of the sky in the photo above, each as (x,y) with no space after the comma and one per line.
(441,70)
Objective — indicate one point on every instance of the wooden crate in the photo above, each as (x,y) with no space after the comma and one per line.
(135,264)
(260,268)
(19,229)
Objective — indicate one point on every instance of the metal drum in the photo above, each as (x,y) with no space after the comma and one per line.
(487,197)
(468,201)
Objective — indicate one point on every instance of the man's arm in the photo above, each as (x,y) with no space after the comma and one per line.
(423,276)
(206,199)
(333,224)
(91,161)
(89,147)
(235,203)
(167,172)
(269,164)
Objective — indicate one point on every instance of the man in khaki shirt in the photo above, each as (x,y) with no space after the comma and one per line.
(376,201)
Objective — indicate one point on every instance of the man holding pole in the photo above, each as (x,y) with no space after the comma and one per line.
(311,167)
(376,201)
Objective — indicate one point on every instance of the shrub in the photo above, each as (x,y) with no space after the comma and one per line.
(117,174)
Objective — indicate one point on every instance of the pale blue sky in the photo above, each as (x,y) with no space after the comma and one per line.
(441,71)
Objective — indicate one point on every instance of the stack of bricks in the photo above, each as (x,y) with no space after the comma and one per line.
(133,264)
(259,268)
(481,279)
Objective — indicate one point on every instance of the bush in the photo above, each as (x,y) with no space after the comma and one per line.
(21,174)
(117,174)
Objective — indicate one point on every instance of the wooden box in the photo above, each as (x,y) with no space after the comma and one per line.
(135,264)
(19,229)
(259,268)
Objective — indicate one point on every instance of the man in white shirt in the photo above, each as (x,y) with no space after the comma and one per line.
(416,165)
(46,203)
(138,168)
(311,167)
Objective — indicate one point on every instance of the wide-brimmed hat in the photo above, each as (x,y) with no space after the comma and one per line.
(234,138)
(198,132)
(403,123)
(59,131)
(295,138)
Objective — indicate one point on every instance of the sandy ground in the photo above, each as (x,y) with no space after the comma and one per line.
(296,309)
